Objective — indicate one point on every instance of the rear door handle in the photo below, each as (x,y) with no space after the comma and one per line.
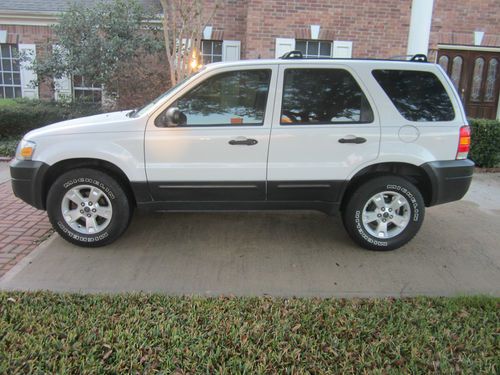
(243,141)
(356,140)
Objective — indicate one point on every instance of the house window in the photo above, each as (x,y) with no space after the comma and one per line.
(10,76)
(314,48)
(211,51)
(86,91)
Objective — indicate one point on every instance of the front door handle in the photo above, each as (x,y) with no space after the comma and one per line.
(243,141)
(356,140)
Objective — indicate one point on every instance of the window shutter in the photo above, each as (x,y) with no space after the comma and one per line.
(284,45)
(27,75)
(231,50)
(342,49)
(62,86)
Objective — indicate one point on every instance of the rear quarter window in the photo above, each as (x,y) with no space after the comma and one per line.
(417,95)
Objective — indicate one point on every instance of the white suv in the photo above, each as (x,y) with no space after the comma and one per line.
(376,140)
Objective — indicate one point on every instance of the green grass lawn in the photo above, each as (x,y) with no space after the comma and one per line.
(49,333)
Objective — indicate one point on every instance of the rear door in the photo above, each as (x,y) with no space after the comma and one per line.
(219,151)
(324,127)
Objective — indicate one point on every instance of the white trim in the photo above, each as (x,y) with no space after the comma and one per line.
(498,109)
(27,75)
(342,49)
(29,18)
(231,50)
(478,37)
(62,86)
(283,45)
(468,48)
(315,31)
(420,27)
(207,32)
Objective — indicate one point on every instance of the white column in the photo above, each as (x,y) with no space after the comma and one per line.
(420,27)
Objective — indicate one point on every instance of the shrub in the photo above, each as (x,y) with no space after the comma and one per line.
(8,146)
(485,142)
(17,117)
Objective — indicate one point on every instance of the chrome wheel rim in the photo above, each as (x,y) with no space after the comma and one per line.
(86,209)
(386,214)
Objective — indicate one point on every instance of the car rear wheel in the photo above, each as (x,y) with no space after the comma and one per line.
(88,207)
(384,213)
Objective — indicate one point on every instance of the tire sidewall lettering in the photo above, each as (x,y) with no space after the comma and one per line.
(79,237)
(91,181)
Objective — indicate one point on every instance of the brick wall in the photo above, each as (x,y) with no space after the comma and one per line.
(230,21)
(378,28)
(454,22)
(39,35)
(27,34)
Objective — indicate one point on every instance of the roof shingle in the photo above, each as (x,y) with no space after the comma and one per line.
(53,5)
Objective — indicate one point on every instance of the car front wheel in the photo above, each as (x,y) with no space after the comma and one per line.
(384,213)
(88,207)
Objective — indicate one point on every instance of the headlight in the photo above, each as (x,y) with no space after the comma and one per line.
(25,150)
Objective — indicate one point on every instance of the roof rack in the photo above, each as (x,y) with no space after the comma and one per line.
(419,57)
(293,55)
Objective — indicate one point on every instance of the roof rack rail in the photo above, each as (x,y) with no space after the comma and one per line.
(293,55)
(419,57)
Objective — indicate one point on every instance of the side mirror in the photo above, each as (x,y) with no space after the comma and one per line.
(171,118)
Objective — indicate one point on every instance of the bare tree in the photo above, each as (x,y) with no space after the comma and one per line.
(183,25)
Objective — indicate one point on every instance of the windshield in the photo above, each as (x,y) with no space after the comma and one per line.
(142,110)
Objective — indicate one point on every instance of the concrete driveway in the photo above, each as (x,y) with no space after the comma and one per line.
(281,254)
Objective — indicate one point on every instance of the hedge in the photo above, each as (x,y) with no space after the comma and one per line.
(18,117)
(485,142)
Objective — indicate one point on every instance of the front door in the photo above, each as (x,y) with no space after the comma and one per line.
(324,128)
(476,75)
(218,150)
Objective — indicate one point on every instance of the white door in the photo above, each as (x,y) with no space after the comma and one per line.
(218,150)
(324,128)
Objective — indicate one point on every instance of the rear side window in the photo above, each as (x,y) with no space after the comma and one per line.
(323,96)
(418,96)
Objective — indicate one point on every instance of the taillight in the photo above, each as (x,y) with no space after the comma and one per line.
(463,143)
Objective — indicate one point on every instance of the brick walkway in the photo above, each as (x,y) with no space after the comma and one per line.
(21,228)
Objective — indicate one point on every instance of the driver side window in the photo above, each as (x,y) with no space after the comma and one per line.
(226,99)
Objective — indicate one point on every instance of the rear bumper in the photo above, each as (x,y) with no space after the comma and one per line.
(27,181)
(450,179)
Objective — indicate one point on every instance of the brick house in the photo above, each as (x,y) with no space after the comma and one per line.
(463,36)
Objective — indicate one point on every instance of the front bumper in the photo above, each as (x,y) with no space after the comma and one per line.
(27,181)
(450,179)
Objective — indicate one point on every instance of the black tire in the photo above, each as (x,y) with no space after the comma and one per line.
(414,211)
(113,194)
